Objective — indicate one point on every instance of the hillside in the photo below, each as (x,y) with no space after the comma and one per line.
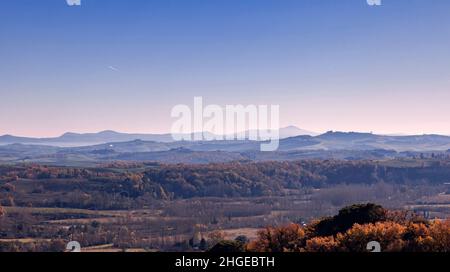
(331,145)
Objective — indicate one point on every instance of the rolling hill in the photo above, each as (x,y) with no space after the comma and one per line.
(337,145)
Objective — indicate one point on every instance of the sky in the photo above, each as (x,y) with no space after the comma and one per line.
(123,65)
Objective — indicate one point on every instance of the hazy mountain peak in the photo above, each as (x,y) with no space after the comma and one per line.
(70,134)
(349,133)
(109,132)
(292,131)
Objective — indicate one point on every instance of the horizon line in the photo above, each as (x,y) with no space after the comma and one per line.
(312,133)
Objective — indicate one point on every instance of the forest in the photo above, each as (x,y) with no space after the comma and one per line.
(234,179)
(147,206)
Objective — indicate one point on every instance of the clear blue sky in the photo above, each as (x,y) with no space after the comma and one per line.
(123,64)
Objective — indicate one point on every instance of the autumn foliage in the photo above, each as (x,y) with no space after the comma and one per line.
(289,238)
(394,233)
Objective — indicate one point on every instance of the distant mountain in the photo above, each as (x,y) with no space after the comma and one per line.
(284,132)
(368,141)
(347,136)
(111,145)
(337,145)
(292,131)
(71,139)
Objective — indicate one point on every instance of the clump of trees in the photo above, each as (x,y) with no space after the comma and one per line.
(347,217)
(352,229)
(290,238)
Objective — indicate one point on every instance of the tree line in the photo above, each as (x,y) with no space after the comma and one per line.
(236,179)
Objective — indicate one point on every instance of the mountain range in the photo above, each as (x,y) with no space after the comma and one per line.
(113,146)
(71,139)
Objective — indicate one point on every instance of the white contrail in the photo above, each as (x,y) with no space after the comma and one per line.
(113,68)
(73,2)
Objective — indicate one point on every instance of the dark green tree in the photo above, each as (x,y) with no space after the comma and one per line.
(348,216)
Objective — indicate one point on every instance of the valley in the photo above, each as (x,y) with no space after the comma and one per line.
(174,207)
